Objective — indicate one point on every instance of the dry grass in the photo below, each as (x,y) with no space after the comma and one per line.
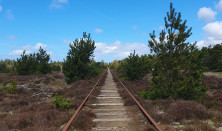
(196,125)
(24,111)
(187,110)
(83,121)
(35,116)
(213,82)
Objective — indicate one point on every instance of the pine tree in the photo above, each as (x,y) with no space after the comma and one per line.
(33,63)
(76,66)
(27,64)
(178,67)
(43,62)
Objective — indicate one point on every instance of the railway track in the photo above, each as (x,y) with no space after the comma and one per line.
(111,114)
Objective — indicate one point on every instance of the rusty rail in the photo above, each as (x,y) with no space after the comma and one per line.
(141,108)
(80,107)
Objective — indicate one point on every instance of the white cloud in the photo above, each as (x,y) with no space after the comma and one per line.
(11,37)
(135,27)
(219,5)
(9,15)
(58,3)
(118,51)
(0,8)
(214,29)
(98,31)
(213,34)
(28,48)
(38,45)
(18,52)
(206,14)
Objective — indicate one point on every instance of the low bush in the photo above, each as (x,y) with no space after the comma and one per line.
(187,110)
(12,88)
(4,83)
(185,92)
(84,121)
(199,126)
(135,67)
(60,102)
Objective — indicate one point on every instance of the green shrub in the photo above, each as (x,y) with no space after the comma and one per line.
(12,88)
(4,83)
(55,67)
(95,68)
(134,67)
(114,64)
(213,57)
(60,102)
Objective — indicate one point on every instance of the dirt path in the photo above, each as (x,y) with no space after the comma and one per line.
(111,114)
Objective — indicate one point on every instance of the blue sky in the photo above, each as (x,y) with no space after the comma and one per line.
(117,26)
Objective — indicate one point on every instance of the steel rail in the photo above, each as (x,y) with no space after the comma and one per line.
(80,107)
(141,108)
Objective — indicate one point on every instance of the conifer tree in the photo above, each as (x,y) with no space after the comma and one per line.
(27,64)
(76,66)
(213,57)
(33,63)
(43,62)
(178,68)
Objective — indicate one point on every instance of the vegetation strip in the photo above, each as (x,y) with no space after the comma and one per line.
(80,107)
(141,108)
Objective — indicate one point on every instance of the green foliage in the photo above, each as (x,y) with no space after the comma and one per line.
(33,63)
(7,66)
(3,68)
(114,64)
(134,67)
(4,83)
(213,57)
(178,69)
(56,66)
(43,66)
(77,63)
(10,89)
(96,68)
(60,102)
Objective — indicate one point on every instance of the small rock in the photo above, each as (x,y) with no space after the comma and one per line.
(160,112)
(210,122)
(62,126)
(174,126)
(176,123)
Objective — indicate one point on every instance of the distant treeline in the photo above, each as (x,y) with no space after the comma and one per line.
(7,66)
(79,63)
(135,64)
(34,63)
(40,63)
